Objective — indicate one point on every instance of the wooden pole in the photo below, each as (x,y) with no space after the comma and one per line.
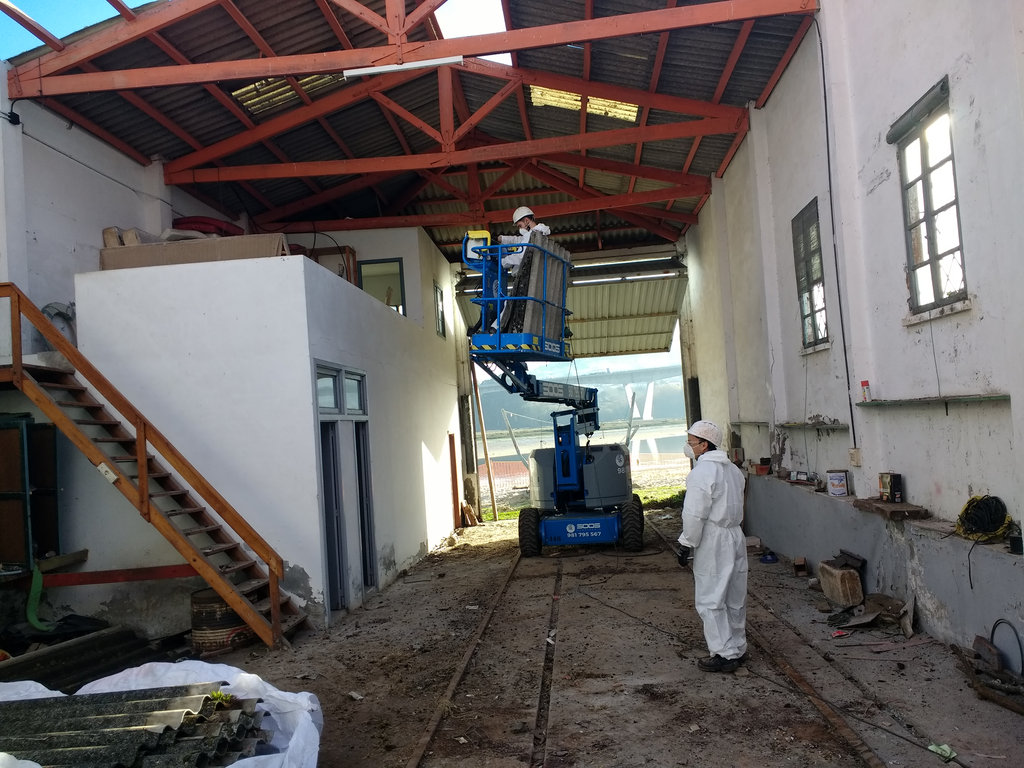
(483,437)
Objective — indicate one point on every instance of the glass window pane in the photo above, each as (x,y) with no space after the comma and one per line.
(915,203)
(820,326)
(383,281)
(326,391)
(936,137)
(942,187)
(808,331)
(919,244)
(818,297)
(951,273)
(924,293)
(912,160)
(805,304)
(354,394)
(947,231)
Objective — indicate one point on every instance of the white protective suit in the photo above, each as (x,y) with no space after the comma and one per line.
(712,514)
(514,258)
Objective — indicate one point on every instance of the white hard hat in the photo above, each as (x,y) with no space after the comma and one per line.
(707,430)
(521,211)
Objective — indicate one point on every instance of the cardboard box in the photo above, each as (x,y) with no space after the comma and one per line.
(193,251)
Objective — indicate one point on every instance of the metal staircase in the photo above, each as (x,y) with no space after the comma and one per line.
(161,484)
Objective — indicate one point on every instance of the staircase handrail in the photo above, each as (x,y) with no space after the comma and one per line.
(22,306)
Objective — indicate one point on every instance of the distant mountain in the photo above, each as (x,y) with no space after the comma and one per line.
(658,391)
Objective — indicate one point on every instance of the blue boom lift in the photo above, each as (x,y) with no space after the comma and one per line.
(579,494)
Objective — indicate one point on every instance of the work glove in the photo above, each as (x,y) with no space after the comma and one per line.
(683,556)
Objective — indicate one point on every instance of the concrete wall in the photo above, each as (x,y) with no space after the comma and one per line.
(221,357)
(741,256)
(741,260)
(959,589)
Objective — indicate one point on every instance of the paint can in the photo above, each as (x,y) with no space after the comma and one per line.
(837,482)
(215,627)
(890,487)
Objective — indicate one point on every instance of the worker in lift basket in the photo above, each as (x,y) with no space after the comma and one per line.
(512,258)
(712,515)
(524,220)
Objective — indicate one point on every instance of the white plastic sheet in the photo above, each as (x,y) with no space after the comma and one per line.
(294,718)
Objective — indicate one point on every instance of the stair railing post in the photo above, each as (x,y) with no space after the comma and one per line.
(274,592)
(16,337)
(142,478)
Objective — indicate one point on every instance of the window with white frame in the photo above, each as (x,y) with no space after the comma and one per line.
(931,213)
(810,275)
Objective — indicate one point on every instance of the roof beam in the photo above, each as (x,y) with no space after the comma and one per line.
(571,187)
(431,160)
(36,78)
(469,219)
(346,97)
(110,38)
(32,26)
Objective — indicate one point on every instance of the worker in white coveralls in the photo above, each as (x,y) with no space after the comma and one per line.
(712,515)
(525,222)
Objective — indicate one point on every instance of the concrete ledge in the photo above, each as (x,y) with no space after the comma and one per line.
(960,588)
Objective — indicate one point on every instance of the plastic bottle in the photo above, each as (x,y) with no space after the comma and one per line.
(865,390)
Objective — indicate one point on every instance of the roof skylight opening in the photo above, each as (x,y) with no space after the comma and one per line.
(549,97)
(275,93)
(465,18)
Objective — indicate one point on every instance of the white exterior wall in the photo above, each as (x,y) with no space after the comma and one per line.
(880,58)
(221,357)
(741,259)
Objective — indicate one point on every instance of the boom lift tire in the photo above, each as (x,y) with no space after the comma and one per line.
(529,532)
(632,527)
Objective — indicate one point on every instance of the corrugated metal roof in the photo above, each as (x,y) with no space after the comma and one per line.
(585,193)
(189,725)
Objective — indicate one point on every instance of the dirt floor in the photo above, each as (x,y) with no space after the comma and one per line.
(586,657)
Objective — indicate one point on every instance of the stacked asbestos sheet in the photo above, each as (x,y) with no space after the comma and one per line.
(186,725)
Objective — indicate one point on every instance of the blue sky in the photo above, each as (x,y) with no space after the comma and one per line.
(59,17)
(457,18)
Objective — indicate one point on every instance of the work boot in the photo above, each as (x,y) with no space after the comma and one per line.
(717,664)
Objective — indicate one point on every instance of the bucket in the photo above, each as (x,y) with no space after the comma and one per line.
(836,482)
(215,627)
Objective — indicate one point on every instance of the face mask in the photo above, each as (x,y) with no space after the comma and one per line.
(524,231)
(688,450)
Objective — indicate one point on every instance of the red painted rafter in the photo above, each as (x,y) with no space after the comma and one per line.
(784,61)
(571,187)
(32,26)
(431,160)
(467,219)
(333,102)
(311,201)
(656,66)
(101,133)
(588,13)
(36,78)
(333,23)
(126,13)
(112,37)
(346,97)
(623,169)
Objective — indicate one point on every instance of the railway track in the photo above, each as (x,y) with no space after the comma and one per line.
(585,657)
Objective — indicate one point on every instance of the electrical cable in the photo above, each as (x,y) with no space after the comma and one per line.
(1020,646)
(832,228)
